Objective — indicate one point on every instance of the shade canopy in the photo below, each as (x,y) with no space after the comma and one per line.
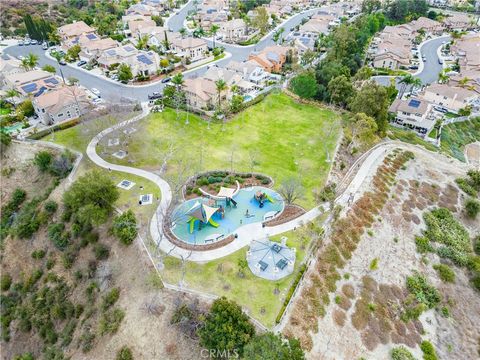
(226,192)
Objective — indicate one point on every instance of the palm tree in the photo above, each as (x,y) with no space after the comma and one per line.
(142,42)
(213,31)
(29,62)
(221,86)
(11,93)
(442,77)
(178,81)
(277,36)
(464,82)
(165,42)
(58,57)
(183,31)
(406,80)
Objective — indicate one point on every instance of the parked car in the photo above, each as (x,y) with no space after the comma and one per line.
(95,91)
(20,43)
(98,101)
(424,58)
(34,42)
(20,57)
(166,80)
(414,67)
(62,62)
(441,109)
(45,46)
(114,77)
(154,95)
(440,61)
(81,63)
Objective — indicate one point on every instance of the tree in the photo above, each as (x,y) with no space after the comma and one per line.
(304,85)
(54,37)
(341,90)
(91,197)
(291,190)
(5,141)
(178,81)
(213,31)
(29,62)
(277,36)
(125,227)
(242,265)
(308,57)
(363,129)
(236,103)
(226,327)
(409,80)
(73,52)
(158,20)
(270,346)
(49,68)
(11,93)
(370,6)
(142,42)
(260,20)
(164,63)
(221,86)
(472,208)
(183,31)
(401,353)
(125,73)
(372,100)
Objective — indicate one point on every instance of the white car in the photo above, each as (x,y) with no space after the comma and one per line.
(98,101)
(95,91)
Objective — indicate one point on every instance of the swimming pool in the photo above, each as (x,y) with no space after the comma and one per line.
(13,128)
(233,218)
(247,98)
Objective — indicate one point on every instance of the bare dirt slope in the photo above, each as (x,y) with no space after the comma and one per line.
(345,332)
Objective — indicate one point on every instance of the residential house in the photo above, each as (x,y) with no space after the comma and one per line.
(428,25)
(233,30)
(74,30)
(135,25)
(467,51)
(194,49)
(461,21)
(232,79)
(451,98)
(470,79)
(414,113)
(9,66)
(272,58)
(200,93)
(250,71)
(158,35)
(142,63)
(65,103)
(211,12)
(93,49)
(33,82)
(393,53)
(142,9)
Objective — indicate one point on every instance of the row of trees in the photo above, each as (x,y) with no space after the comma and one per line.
(38,28)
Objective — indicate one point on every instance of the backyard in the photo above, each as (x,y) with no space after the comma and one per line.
(277,137)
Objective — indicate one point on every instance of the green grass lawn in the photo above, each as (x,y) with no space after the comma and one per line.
(408,136)
(456,136)
(277,136)
(78,137)
(220,277)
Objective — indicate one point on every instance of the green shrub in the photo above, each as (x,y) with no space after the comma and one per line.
(125,227)
(57,235)
(124,354)
(50,206)
(38,254)
(101,251)
(423,291)
(476,247)
(43,159)
(5,281)
(423,244)
(27,221)
(428,351)
(472,208)
(476,282)
(202,181)
(110,298)
(401,353)
(466,187)
(442,227)
(445,273)
(110,321)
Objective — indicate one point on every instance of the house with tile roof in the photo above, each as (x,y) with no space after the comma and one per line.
(450,97)
(74,30)
(61,104)
(272,58)
(192,48)
(142,63)
(414,113)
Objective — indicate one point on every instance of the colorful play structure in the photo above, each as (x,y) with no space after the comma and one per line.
(261,197)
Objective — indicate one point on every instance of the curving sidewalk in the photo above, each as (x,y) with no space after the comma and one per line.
(367,165)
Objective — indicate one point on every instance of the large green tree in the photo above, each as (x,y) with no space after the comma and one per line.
(304,85)
(226,328)
(91,198)
(372,100)
(125,227)
(125,73)
(341,90)
(260,20)
(269,346)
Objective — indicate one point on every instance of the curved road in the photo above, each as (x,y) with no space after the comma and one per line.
(429,70)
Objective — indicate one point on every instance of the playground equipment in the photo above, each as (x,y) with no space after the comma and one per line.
(261,197)
(203,213)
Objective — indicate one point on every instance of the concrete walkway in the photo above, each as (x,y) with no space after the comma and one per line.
(245,233)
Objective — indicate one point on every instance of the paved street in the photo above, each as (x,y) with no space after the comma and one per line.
(117,92)
(429,73)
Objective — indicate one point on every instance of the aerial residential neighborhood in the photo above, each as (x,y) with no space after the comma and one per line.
(255,179)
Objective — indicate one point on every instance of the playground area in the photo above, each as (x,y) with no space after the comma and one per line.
(205,220)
